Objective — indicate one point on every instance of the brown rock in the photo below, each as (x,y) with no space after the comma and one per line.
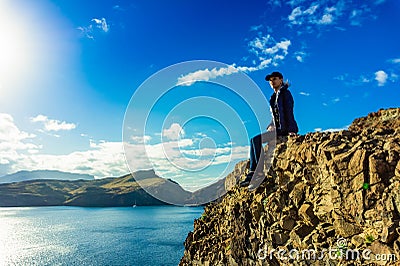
(358,240)
(354,203)
(299,233)
(396,247)
(397,171)
(357,161)
(279,237)
(297,194)
(306,211)
(287,223)
(320,198)
(378,168)
(389,233)
(346,229)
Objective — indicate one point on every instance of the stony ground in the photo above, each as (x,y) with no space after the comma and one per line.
(334,193)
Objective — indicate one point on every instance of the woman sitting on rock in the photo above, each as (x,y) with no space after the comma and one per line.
(283,124)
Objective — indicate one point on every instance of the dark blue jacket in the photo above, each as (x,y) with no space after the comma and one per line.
(283,112)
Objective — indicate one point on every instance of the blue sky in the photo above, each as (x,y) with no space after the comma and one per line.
(68,70)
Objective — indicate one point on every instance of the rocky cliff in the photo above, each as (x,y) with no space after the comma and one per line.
(329,198)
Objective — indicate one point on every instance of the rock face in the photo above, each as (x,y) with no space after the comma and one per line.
(330,198)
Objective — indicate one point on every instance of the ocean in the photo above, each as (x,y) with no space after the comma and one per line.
(95,236)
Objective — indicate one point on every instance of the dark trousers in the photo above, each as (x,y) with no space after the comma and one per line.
(256,148)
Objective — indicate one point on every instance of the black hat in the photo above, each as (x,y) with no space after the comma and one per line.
(274,74)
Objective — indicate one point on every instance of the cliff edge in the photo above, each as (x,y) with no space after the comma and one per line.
(329,198)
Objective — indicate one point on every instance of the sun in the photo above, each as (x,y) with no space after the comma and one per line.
(14,45)
(12,50)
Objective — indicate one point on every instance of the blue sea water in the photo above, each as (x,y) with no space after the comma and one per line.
(94,236)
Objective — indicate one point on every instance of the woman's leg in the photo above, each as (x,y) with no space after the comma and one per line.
(256,147)
(257,155)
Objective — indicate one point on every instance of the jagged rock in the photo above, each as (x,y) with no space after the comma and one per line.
(299,233)
(329,188)
(287,223)
(297,194)
(346,229)
(396,246)
(306,211)
(389,233)
(358,240)
(280,237)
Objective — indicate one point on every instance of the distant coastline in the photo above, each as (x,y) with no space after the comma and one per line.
(49,188)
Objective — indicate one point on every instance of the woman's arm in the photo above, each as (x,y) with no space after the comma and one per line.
(289,114)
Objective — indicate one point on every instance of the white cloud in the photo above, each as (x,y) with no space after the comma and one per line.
(381,77)
(256,28)
(311,10)
(341,77)
(295,13)
(300,55)
(102,159)
(17,152)
(361,80)
(10,132)
(52,124)
(318,129)
(174,132)
(299,17)
(281,46)
(304,93)
(206,75)
(326,19)
(180,159)
(267,50)
(395,61)
(118,8)
(13,141)
(101,24)
(364,79)
(96,24)
(141,139)
(329,12)
(87,31)
(295,2)
(275,3)
(356,17)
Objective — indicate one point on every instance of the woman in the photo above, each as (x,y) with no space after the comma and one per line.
(283,124)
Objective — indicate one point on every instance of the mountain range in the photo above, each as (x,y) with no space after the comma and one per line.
(43,174)
(54,188)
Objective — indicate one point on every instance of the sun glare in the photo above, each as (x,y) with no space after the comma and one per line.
(15,51)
